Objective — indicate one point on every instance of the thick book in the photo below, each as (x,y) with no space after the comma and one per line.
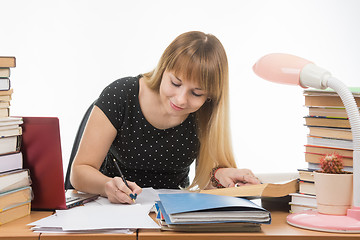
(11,121)
(15,198)
(7,61)
(10,144)
(316,166)
(329,92)
(4,84)
(303,199)
(4,112)
(4,72)
(14,179)
(327,111)
(329,150)
(275,189)
(306,174)
(327,132)
(330,142)
(13,131)
(195,208)
(300,202)
(319,121)
(11,162)
(15,213)
(307,187)
(4,104)
(328,97)
(6,95)
(315,158)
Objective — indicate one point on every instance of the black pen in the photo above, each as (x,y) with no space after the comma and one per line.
(123,178)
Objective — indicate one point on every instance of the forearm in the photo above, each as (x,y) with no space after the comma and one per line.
(86,178)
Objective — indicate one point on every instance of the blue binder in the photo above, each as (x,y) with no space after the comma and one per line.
(180,204)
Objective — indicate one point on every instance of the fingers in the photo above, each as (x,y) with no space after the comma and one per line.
(119,183)
(117,191)
(251,179)
(135,188)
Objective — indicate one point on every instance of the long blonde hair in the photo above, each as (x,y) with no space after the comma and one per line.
(201,57)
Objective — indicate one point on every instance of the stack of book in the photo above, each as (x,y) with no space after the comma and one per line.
(199,212)
(329,131)
(15,190)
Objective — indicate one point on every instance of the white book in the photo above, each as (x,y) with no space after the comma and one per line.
(11,162)
(15,131)
(14,179)
(4,84)
(9,144)
(330,142)
(294,208)
(10,121)
(303,199)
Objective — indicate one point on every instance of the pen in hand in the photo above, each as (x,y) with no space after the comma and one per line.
(123,178)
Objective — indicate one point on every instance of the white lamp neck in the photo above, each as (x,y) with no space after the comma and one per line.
(314,76)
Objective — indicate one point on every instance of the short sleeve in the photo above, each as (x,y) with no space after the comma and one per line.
(111,102)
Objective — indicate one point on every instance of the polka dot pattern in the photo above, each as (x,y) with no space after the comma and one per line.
(151,157)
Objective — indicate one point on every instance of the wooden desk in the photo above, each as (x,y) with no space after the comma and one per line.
(18,229)
(97,236)
(278,229)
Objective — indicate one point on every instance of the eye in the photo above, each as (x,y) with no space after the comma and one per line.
(175,84)
(197,94)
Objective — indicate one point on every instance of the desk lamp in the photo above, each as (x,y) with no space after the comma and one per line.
(293,70)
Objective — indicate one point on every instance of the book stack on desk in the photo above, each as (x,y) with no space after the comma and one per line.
(199,212)
(15,190)
(329,131)
(329,127)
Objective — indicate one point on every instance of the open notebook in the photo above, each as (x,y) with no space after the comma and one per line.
(41,148)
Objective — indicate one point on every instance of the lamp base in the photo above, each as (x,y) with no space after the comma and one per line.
(313,220)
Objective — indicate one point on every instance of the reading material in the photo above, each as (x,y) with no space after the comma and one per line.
(11,162)
(6,61)
(14,179)
(15,213)
(208,208)
(15,197)
(267,189)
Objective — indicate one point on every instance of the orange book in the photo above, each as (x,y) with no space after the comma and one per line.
(7,62)
(15,213)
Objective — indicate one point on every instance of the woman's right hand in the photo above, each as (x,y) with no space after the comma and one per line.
(117,192)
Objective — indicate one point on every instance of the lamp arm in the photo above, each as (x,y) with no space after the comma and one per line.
(354,118)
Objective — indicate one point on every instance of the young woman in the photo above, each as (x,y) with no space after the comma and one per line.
(156,124)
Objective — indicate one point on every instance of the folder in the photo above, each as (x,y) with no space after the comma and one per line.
(195,208)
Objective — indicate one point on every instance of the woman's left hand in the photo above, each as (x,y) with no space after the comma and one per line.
(229,177)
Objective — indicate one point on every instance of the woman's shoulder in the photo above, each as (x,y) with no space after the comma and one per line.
(122,86)
(126,82)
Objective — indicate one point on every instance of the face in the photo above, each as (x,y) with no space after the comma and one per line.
(180,97)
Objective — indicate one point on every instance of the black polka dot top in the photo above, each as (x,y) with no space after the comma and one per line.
(149,156)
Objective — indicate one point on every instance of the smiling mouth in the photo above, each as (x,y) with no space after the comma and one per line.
(175,107)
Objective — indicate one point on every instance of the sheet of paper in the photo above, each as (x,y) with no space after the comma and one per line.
(113,216)
(102,215)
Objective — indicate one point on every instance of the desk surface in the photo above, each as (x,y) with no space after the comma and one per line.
(19,230)
(278,229)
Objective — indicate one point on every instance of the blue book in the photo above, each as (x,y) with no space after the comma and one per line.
(194,208)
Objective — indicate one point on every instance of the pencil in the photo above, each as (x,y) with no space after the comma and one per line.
(123,177)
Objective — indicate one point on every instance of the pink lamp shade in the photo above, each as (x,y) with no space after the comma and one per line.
(280,68)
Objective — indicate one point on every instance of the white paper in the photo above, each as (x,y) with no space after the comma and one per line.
(103,216)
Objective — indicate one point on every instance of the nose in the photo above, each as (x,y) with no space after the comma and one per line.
(181,98)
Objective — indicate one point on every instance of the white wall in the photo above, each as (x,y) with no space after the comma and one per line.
(68,50)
